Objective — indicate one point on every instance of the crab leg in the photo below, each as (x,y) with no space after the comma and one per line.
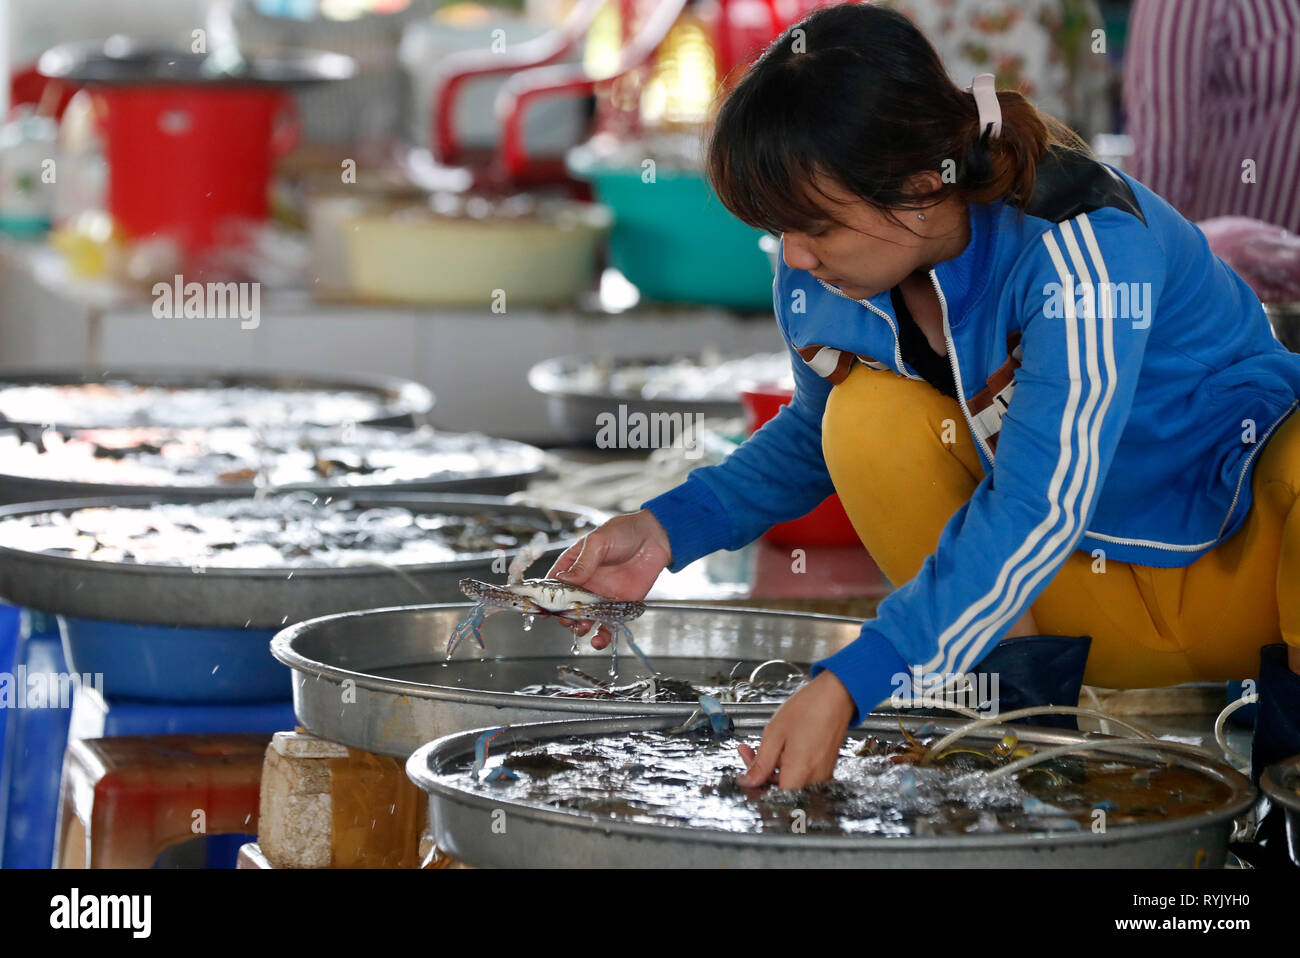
(469,626)
(636,650)
(480,758)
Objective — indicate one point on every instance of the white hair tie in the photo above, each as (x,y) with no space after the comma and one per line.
(986,101)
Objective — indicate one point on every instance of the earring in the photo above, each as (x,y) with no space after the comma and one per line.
(920,216)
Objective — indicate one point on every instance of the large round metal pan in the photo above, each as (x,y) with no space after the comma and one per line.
(379,681)
(398,402)
(574,411)
(466,821)
(264,598)
(518,465)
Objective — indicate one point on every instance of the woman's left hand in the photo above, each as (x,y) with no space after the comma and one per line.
(802,742)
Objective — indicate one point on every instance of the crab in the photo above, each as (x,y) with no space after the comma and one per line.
(545,597)
(551,598)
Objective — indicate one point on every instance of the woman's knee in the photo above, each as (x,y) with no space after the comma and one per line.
(1279,462)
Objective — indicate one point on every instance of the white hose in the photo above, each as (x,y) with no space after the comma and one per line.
(1095,744)
(1241,761)
(965,730)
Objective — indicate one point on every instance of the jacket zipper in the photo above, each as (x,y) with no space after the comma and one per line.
(898,351)
(956,371)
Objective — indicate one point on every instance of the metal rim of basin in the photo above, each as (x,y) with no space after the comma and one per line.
(1280,781)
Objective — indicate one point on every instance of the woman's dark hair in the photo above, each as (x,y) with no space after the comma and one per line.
(856,93)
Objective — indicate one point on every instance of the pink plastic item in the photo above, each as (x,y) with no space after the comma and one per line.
(1267,257)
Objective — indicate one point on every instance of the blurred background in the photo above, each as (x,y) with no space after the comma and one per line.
(379,197)
(267,264)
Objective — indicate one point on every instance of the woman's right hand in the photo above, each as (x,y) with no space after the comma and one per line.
(619,560)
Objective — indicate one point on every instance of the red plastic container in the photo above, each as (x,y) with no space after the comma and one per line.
(185,159)
(828,524)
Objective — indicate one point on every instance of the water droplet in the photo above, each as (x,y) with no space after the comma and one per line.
(528,622)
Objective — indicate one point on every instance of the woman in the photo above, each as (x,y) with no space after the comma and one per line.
(944,250)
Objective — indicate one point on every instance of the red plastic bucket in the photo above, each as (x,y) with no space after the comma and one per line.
(828,524)
(185,159)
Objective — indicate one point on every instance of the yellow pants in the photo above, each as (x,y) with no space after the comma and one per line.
(900,482)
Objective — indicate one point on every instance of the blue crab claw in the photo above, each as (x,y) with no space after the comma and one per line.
(1038,807)
(636,650)
(467,626)
(480,759)
(719,721)
(907,783)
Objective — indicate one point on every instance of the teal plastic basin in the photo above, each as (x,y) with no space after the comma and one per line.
(675,241)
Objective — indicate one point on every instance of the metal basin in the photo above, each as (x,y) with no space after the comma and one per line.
(465,821)
(1280,783)
(393,402)
(118,61)
(416,462)
(378,681)
(1285,320)
(261,598)
(575,409)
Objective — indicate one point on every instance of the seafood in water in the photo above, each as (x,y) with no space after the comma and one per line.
(297,529)
(498,774)
(577,684)
(742,684)
(688,777)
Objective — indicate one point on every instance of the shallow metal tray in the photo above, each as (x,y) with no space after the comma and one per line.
(402,402)
(120,61)
(245,598)
(17,489)
(378,681)
(466,822)
(573,411)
